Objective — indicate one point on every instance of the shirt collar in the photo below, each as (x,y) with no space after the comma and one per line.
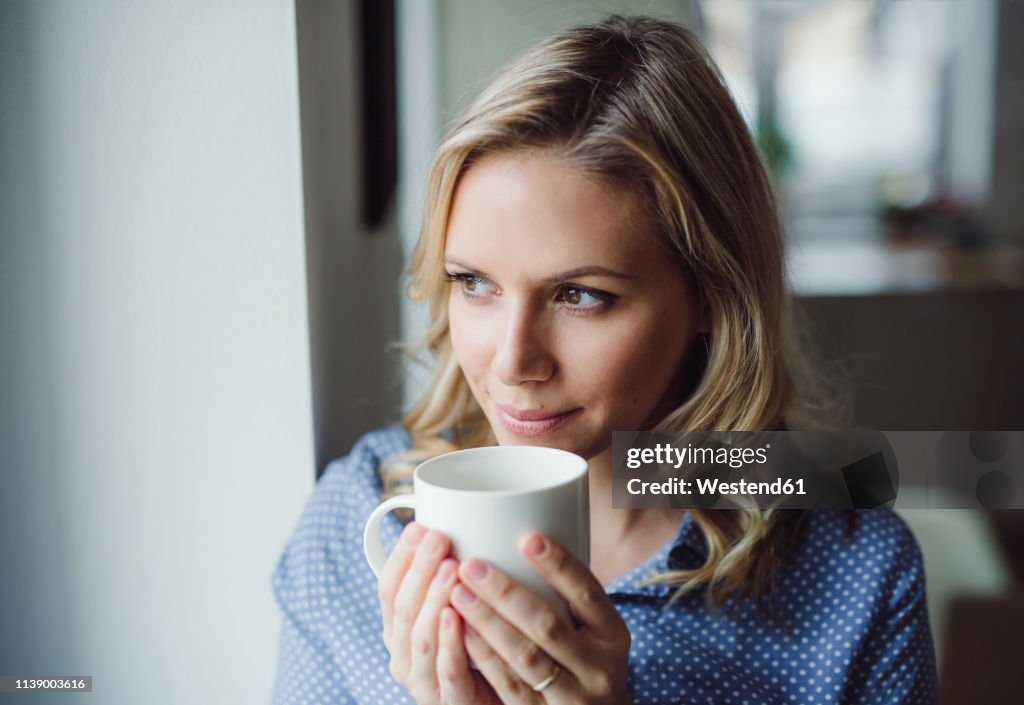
(688,550)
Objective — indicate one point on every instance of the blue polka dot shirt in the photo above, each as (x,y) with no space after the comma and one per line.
(857,627)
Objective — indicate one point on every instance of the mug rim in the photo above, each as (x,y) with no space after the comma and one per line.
(580,471)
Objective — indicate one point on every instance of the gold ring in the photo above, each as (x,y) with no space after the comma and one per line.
(555,672)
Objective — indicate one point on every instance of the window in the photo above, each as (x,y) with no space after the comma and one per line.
(860,107)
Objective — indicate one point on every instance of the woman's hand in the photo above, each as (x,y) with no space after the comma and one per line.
(422,633)
(525,650)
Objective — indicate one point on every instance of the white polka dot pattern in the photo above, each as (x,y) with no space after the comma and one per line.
(854,625)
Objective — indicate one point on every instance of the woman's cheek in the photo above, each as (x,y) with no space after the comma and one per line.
(640,367)
(469,338)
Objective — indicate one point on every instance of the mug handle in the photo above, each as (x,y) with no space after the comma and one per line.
(373,547)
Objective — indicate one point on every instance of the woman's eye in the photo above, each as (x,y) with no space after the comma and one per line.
(575,296)
(469,284)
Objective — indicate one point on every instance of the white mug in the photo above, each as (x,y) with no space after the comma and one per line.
(486,499)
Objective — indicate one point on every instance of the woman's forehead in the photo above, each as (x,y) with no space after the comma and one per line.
(536,204)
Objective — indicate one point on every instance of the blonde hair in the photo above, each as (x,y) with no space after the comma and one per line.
(638,103)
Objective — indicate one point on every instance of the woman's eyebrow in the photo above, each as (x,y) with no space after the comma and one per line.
(591,271)
(463,265)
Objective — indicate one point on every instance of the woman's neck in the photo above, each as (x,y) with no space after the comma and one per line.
(610,527)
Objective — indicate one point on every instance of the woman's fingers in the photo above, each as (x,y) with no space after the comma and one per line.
(510,687)
(523,641)
(424,646)
(458,684)
(573,580)
(394,570)
(513,645)
(430,551)
(515,604)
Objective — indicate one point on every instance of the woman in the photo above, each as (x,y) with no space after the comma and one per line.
(601,251)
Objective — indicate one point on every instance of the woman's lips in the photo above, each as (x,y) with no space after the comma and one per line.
(532,423)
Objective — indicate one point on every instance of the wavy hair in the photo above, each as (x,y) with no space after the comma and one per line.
(638,103)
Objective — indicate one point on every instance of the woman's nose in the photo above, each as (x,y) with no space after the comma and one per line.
(523,352)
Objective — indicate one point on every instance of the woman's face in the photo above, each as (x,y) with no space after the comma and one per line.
(568,318)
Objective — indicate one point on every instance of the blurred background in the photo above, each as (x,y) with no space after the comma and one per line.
(205,212)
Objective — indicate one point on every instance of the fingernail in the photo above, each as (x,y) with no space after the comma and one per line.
(536,546)
(470,632)
(446,620)
(445,571)
(462,595)
(432,544)
(413,534)
(476,570)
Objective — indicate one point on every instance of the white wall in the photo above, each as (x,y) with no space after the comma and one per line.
(155,413)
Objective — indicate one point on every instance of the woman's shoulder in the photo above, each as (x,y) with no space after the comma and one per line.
(865,550)
(352,482)
(874,534)
(328,533)
(323,558)
(367,453)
